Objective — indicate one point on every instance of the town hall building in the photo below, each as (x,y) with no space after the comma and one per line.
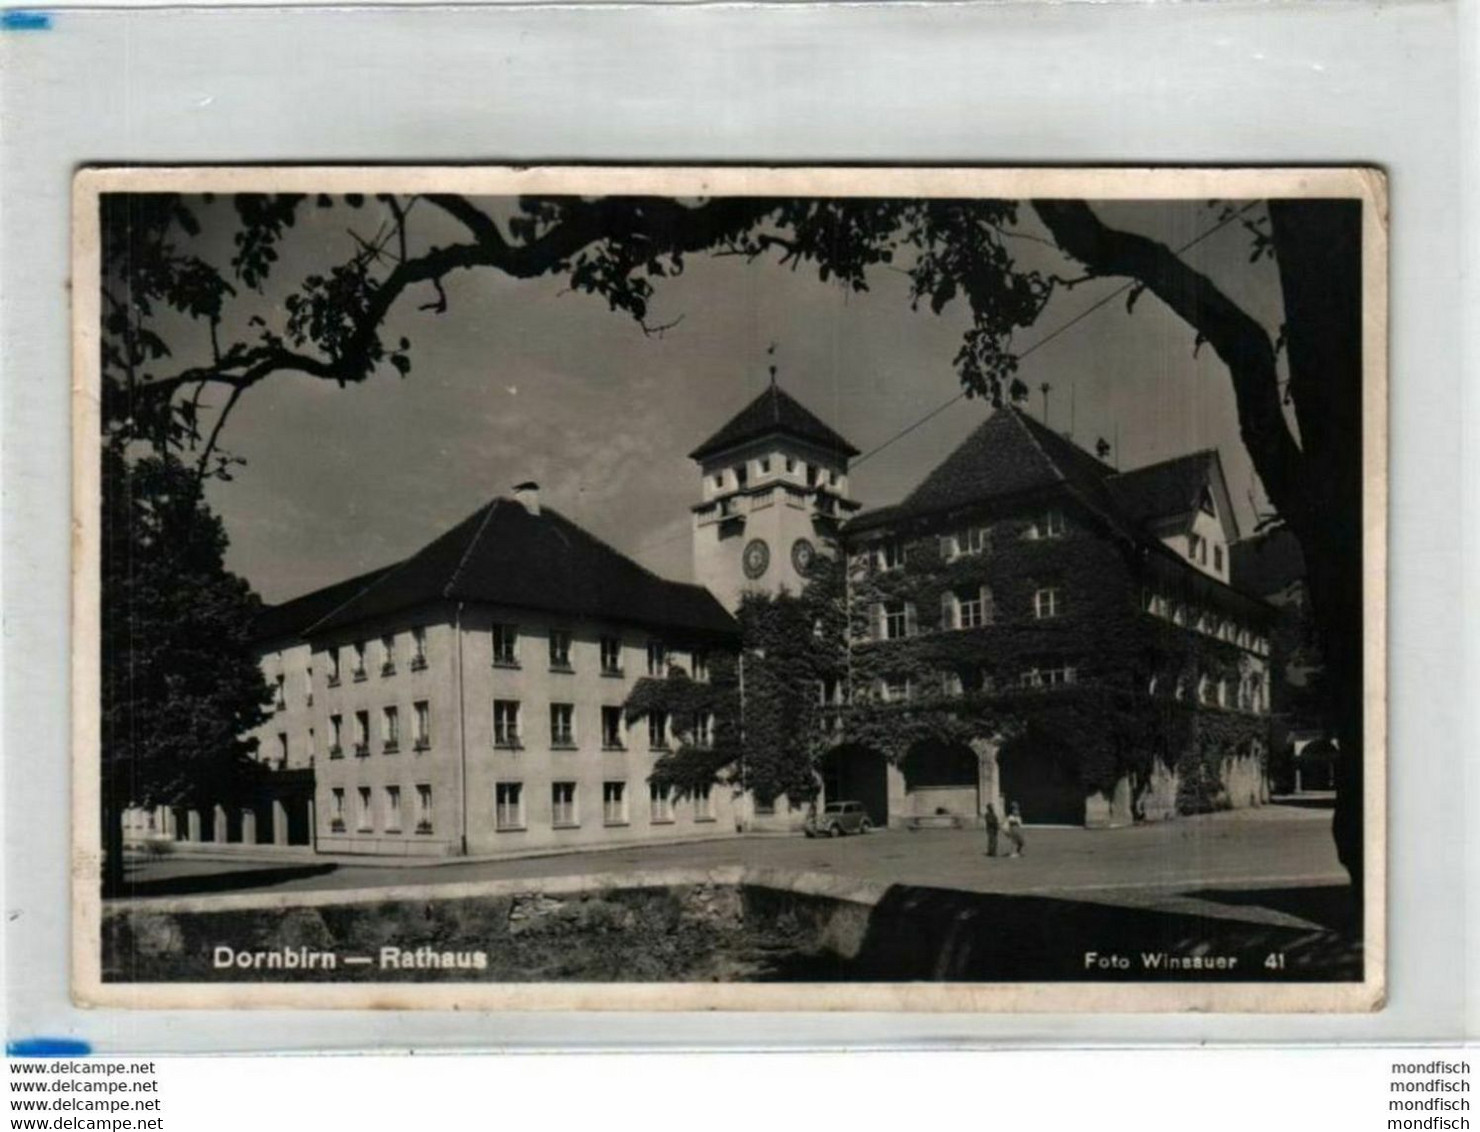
(1074,624)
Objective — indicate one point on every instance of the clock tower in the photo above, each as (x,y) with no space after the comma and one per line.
(774,491)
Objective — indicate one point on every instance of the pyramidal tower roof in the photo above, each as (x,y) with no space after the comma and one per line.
(774,411)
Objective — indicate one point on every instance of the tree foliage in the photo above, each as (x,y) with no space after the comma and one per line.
(181,686)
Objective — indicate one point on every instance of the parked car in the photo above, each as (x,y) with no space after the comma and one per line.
(836,819)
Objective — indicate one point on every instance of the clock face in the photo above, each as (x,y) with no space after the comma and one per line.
(802,554)
(757,558)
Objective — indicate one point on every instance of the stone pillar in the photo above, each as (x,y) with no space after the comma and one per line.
(279,823)
(988,780)
(249,826)
(313,828)
(220,830)
(895,792)
(192,825)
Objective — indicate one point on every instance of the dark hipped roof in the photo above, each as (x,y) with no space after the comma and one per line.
(291,618)
(504,555)
(1173,487)
(1007,454)
(1010,453)
(774,411)
(1267,563)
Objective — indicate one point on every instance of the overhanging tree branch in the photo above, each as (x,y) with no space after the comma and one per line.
(1239,340)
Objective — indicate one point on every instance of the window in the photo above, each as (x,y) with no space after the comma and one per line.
(336,810)
(614,803)
(366,820)
(333,668)
(362,733)
(336,736)
(657,730)
(832,478)
(701,665)
(611,656)
(765,464)
(703,729)
(611,728)
(741,475)
(388,655)
(1047,524)
(562,725)
(704,804)
(563,804)
(719,479)
(508,805)
(308,686)
(1221,693)
(282,748)
(894,689)
(359,660)
(1049,676)
(951,683)
(660,803)
(506,645)
(1204,690)
(423,738)
(560,649)
(898,620)
(791,464)
(657,659)
(390,729)
(1048,602)
(506,723)
(972,540)
(889,556)
(279,693)
(1218,557)
(312,745)
(393,809)
(423,809)
(971,609)
(418,648)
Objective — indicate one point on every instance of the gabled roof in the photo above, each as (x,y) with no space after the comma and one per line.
(1159,491)
(774,411)
(505,555)
(289,619)
(1007,454)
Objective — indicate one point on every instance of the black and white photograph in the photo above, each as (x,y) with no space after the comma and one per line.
(730,588)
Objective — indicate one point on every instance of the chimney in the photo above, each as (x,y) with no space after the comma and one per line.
(528,494)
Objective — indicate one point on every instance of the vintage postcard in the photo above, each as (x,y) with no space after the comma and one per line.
(668,588)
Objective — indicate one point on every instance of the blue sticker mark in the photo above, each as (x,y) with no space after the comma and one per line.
(48,1047)
(25,21)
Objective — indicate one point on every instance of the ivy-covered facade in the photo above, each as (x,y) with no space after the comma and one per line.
(1032,627)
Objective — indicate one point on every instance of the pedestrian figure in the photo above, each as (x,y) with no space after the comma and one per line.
(1015,830)
(993,825)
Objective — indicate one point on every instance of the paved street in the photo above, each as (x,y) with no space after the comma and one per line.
(1275,865)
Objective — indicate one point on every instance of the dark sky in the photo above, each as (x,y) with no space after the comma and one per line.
(523,380)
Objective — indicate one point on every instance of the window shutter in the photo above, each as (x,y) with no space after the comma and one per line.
(876,621)
(947,611)
(911,625)
(988,614)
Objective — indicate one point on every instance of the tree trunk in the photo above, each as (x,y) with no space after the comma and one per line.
(1319,248)
(112,844)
